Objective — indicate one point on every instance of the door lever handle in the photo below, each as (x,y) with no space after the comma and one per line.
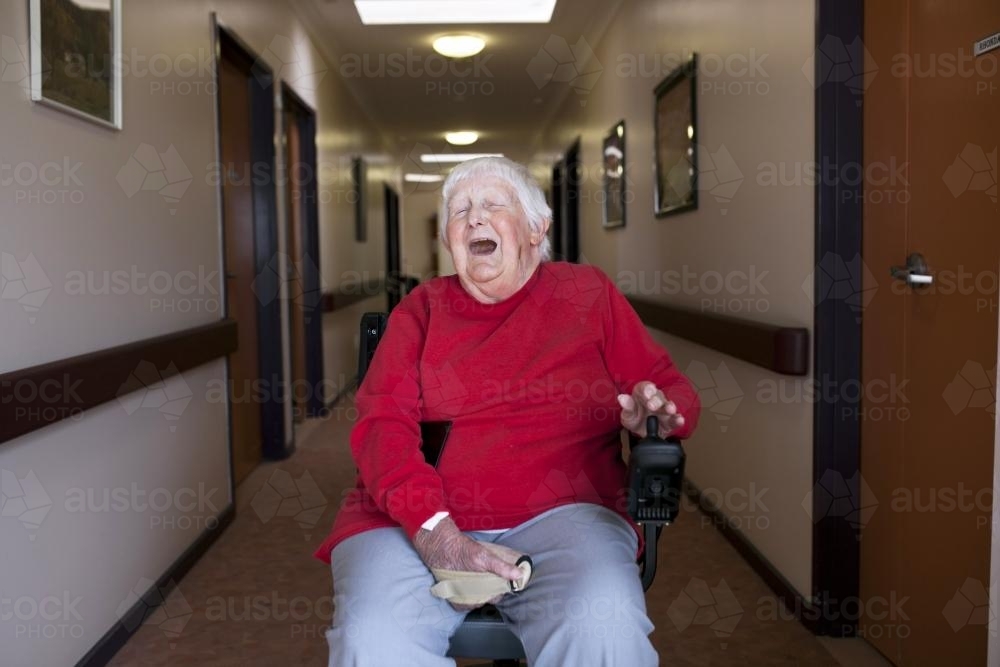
(915,272)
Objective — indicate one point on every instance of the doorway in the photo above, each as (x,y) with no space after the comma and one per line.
(393,265)
(557,211)
(246,130)
(929,331)
(571,203)
(302,241)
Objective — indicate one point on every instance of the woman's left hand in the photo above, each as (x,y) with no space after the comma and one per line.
(646,400)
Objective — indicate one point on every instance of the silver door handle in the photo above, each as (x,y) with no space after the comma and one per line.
(915,272)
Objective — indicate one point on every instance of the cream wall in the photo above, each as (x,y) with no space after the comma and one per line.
(87,562)
(762,116)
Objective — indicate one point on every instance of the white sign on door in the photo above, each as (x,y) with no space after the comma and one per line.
(988,44)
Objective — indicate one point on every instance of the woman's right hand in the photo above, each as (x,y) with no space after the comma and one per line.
(446,548)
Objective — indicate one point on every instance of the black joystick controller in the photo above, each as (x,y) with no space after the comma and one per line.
(655,474)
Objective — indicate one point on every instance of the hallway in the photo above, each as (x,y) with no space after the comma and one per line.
(771,224)
(259,599)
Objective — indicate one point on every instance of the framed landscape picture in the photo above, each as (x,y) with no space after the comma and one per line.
(76,58)
(675,121)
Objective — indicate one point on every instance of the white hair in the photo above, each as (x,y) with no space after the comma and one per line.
(529,194)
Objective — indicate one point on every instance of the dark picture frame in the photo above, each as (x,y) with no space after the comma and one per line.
(613,167)
(76,59)
(675,122)
(359,179)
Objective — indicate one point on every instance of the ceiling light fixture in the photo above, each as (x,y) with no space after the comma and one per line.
(400,12)
(461,138)
(459,46)
(454,157)
(423,178)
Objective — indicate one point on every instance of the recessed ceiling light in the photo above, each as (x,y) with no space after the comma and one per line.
(459,46)
(397,12)
(455,157)
(461,138)
(423,178)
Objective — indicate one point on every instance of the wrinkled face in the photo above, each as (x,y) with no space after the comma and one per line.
(492,245)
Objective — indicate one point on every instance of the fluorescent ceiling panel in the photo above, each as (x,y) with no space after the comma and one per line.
(100,5)
(423,178)
(400,12)
(455,157)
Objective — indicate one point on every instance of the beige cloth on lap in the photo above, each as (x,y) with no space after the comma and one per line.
(477,588)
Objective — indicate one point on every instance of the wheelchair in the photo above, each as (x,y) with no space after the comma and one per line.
(655,474)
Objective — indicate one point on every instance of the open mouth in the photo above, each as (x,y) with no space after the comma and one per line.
(482,247)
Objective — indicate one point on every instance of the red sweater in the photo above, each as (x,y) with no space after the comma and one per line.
(530,385)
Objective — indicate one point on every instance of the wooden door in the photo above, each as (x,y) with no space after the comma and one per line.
(296,286)
(931,125)
(238,227)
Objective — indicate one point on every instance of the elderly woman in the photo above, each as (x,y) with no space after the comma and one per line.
(538,365)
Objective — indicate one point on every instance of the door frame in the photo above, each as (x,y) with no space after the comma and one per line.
(836,545)
(309,233)
(265,206)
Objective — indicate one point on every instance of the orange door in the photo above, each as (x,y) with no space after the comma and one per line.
(296,286)
(234,105)
(931,117)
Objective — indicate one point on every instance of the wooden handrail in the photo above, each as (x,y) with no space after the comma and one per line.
(780,349)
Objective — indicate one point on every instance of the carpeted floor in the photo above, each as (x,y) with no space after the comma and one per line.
(258,597)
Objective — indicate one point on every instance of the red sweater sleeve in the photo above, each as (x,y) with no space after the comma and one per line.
(632,356)
(385,440)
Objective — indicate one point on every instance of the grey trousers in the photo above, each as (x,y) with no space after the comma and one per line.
(584,605)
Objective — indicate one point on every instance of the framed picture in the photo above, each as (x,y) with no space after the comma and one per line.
(359,178)
(76,58)
(675,121)
(613,151)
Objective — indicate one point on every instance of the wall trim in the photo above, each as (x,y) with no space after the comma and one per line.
(780,349)
(349,294)
(114,639)
(32,398)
